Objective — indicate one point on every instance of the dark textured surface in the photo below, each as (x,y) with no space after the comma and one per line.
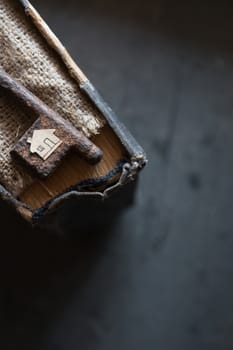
(161,277)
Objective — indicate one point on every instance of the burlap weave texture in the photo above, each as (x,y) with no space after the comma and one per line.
(25,55)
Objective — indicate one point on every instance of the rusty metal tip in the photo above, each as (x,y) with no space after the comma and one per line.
(95,155)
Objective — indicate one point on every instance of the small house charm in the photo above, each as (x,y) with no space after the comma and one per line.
(44,142)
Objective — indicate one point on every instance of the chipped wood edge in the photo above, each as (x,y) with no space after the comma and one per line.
(21,208)
(25,213)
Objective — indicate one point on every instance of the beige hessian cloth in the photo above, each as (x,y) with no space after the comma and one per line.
(25,55)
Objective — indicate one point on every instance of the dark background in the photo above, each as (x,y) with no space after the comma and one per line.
(162,276)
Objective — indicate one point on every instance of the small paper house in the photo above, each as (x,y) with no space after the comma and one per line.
(44,142)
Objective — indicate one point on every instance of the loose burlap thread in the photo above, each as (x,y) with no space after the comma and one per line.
(25,55)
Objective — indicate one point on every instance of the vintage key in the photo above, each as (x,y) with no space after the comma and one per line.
(50,138)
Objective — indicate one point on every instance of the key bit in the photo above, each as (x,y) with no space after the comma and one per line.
(50,138)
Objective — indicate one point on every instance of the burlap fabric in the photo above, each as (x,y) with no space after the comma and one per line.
(25,55)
